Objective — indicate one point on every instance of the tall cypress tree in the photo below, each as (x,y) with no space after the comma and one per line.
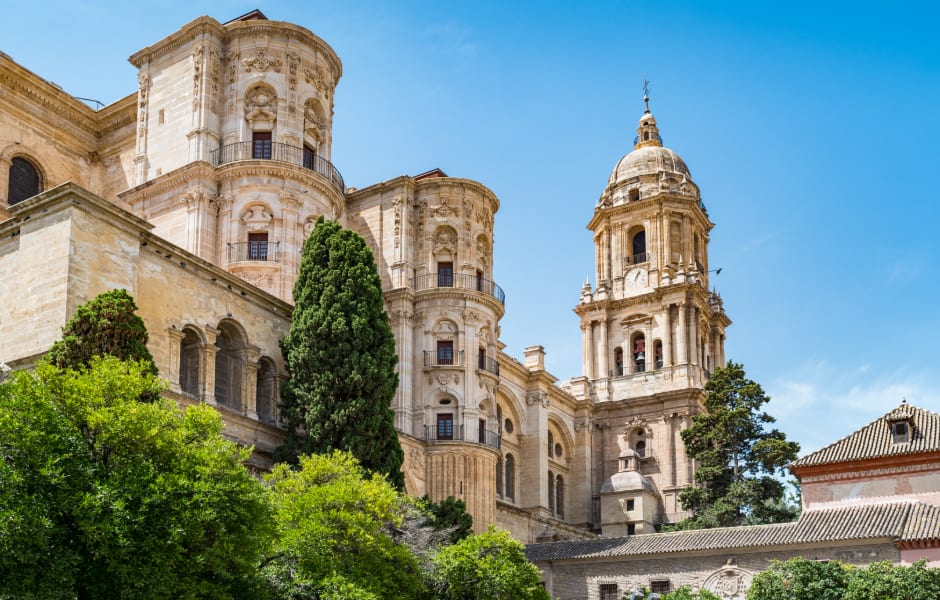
(108,324)
(340,354)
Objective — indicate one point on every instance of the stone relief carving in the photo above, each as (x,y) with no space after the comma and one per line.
(290,201)
(143,98)
(638,423)
(417,461)
(582,423)
(537,397)
(730,582)
(260,97)
(318,77)
(445,241)
(293,64)
(396,203)
(444,209)
(232,59)
(490,388)
(257,217)
(199,53)
(194,197)
(261,62)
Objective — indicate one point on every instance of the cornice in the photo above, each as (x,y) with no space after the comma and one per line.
(117,115)
(269,168)
(461,294)
(176,179)
(879,467)
(460,182)
(653,206)
(600,307)
(239,29)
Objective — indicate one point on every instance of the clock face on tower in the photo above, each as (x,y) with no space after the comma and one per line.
(637,278)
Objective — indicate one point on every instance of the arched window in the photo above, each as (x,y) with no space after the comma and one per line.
(640,449)
(24,181)
(658,354)
(559,496)
(551,492)
(510,477)
(639,247)
(639,353)
(265,390)
(228,368)
(618,361)
(551,444)
(189,363)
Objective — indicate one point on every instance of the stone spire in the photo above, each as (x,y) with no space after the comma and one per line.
(647,134)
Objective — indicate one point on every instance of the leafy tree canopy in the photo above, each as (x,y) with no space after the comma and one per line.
(737,457)
(331,529)
(107,324)
(100,492)
(489,566)
(340,353)
(686,593)
(802,579)
(450,515)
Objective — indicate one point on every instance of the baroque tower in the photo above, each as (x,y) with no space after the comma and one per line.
(652,332)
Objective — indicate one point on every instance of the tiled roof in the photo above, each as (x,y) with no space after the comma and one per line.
(875,439)
(906,521)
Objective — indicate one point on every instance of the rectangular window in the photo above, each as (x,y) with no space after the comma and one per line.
(481,358)
(482,432)
(445,274)
(445,352)
(445,426)
(479,280)
(609,591)
(631,504)
(261,144)
(660,586)
(258,246)
(631,528)
(901,432)
(310,158)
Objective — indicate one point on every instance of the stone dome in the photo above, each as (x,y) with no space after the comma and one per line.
(628,481)
(648,160)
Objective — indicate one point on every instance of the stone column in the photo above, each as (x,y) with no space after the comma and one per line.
(250,382)
(668,464)
(207,354)
(682,336)
(173,353)
(667,337)
(587,331)
(604,349)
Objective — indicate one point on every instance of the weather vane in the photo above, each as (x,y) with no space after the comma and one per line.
(646,94)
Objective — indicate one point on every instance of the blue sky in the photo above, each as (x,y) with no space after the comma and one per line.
(811,129)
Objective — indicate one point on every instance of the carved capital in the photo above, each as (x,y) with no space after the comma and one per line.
(538,397)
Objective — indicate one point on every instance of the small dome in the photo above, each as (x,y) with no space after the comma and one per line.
(648,160)
(628,481)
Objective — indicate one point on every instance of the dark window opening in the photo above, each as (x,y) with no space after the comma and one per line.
(658,354)
(560,496)
(310,158)
(618,361)
(481,358)
(479,280)
(510,477)
(639,247)
(261,144)
(901,432)
(481,433)
(445,352)
(609,591)
(640,449)
(24,181)
(631,504)
(639,353)
(634,195)
(258,246)
(445,426)
(631,528)
(661,586)
(445,274)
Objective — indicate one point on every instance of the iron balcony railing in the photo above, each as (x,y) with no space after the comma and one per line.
(263,251)
(280,152)
(434,358)
(636,259)
(485,363)
(459,434)
(462,281)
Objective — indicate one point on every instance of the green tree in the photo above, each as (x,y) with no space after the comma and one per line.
(107,324)
(800,579)
(686,593)
(332,541)
(340,354)
(102,495)
(737,457)
(888,581)
(489,566)
(450,515)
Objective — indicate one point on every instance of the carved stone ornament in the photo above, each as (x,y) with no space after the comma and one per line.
(582,424)
(445,241)
(290,201)
(309,224)
(257,218)
(318,78)
(195,197)
(417,461)
(444,209)
(638,423)
(533,398)
(729,582)
(260,96)
(261,62)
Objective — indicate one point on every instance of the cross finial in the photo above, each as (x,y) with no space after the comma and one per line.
(646,94)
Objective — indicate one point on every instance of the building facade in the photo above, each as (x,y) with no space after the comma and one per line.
(195,193)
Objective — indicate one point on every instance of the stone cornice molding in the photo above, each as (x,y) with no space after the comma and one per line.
(185,34)
(892,465)
(450,293)
(181,179)
(653,207)
(242,29)
(308,178)
(424,185)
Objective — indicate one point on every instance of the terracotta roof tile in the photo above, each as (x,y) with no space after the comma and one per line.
(875,440)
(896,521)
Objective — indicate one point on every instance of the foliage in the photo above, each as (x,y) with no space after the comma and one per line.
(490,566)
(340,353)
(686,593)
(107,324)
(450,515)
(330,517)
(100,492)
(736,456)
(802,579)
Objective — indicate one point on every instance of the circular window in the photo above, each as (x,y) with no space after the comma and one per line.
(558,450)
(507,426)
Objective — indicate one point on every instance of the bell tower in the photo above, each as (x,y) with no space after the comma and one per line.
(652,333)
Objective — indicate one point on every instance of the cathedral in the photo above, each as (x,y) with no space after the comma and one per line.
(195,193)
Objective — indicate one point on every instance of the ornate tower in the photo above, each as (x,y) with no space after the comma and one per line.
(652,332)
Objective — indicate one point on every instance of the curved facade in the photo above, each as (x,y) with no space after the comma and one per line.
(196,193)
